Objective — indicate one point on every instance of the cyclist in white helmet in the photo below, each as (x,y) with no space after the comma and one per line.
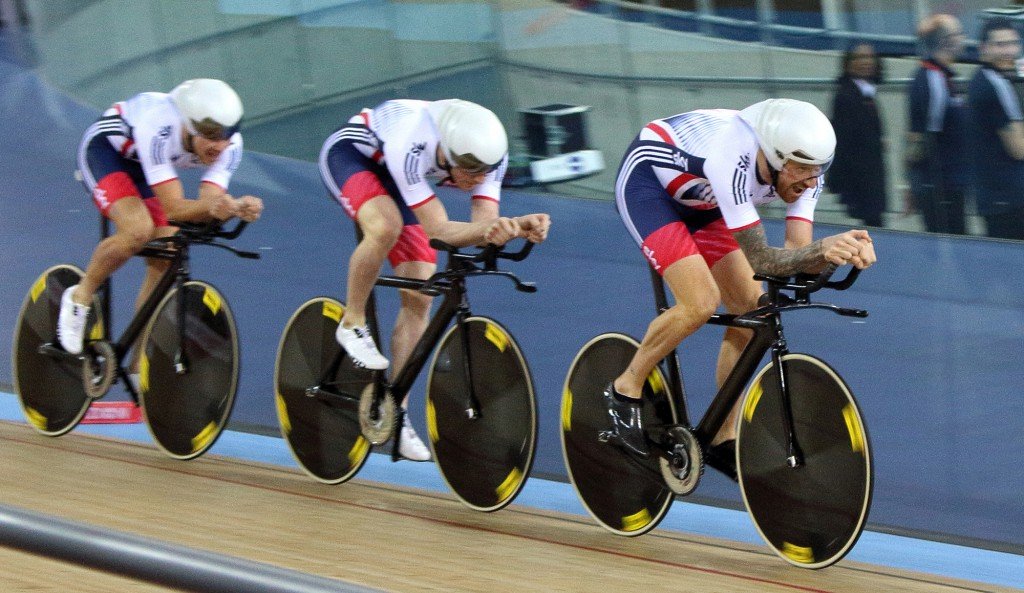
(687,191)
(378,167)
(128,160)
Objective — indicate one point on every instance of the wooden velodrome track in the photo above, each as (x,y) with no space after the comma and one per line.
(372,534)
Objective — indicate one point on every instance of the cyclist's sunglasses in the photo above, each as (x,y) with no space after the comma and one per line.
(471,164)
(212,130)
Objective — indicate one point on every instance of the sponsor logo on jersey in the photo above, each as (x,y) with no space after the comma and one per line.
(649,254)
(164,132)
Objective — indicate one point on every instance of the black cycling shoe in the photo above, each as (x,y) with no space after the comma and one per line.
(627,430)
(723,458)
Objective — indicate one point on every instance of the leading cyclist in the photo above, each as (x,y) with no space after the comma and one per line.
(128,160)
(377,166)
(687,191)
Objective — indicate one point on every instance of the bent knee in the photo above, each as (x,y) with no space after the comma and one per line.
(137,235)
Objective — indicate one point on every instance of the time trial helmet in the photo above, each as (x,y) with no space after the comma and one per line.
(209,107)
(791,130)
(471,136)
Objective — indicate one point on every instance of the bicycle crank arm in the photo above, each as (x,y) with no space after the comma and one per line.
(54,351)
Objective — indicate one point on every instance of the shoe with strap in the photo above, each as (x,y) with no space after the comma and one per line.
(71,322)
(627,430)
(409,444)
(358,342)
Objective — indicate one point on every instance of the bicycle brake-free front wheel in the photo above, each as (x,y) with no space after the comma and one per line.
(485,459)
(319,414)
(50,388)
(624,493)
(810,515)
(189,375)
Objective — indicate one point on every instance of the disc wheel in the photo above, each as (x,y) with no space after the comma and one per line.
(810,515)
(188,380)
(484,459)
(321,427)
(51,390)
(624,493)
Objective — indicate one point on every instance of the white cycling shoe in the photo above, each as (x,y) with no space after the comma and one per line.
(71,322)
(410,446)
(358,342)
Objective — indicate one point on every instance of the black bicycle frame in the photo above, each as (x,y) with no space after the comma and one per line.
(454,306)
(768,335)
(177,274)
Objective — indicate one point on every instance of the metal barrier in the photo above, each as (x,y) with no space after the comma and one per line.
(153,560)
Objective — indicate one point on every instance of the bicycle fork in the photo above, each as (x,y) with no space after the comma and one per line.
(794,454)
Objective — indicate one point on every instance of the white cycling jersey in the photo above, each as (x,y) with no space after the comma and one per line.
(714,164)
(148,129)
(404,139)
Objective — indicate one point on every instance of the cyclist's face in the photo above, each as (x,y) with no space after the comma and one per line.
(1001,49)
(208,150)
(466,180)
(796,178)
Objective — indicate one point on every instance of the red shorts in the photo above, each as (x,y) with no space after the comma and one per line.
(116,186)
(674,241)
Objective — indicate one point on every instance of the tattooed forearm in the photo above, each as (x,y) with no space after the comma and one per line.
(778,262)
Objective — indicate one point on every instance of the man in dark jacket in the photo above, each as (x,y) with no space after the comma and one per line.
(997,131)
(936,144)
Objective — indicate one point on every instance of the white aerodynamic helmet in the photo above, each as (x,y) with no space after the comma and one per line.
(791,130)
(209,107)
(472,137)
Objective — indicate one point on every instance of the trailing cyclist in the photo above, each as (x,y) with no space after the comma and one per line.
(686,191)
(377,166)
(128,160)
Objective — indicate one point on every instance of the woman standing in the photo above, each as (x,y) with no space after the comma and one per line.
(858,175)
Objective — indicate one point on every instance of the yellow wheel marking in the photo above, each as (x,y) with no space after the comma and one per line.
(567,410)
(752,400)
(496,336)
(143,372)
(97,331)
(854,428)
(796,553)
(282,414)
(654,380)
(35,418)
(38,288)
(212,300)
(358,450)
(333,311)
(637,520)
(431,422)
(202,440)
(507,487)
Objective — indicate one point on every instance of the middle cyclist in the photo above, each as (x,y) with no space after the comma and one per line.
(686,192)
(377,166)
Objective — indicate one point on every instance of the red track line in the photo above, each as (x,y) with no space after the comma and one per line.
(446,522)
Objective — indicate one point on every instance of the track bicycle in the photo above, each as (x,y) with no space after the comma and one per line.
(802,455)
(480,407)
(188,359)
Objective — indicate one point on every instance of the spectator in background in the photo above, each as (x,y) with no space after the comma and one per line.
(996,130)
(858,172)
(935,142)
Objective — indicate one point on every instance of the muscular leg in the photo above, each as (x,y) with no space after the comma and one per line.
(696,297)
(413,315)
(735,279)
(381,224)
(134,227)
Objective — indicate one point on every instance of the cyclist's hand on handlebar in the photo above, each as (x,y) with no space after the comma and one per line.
(852,247)
(866,257)
(223,207)
(535,226)
(502,230)
(249,208)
